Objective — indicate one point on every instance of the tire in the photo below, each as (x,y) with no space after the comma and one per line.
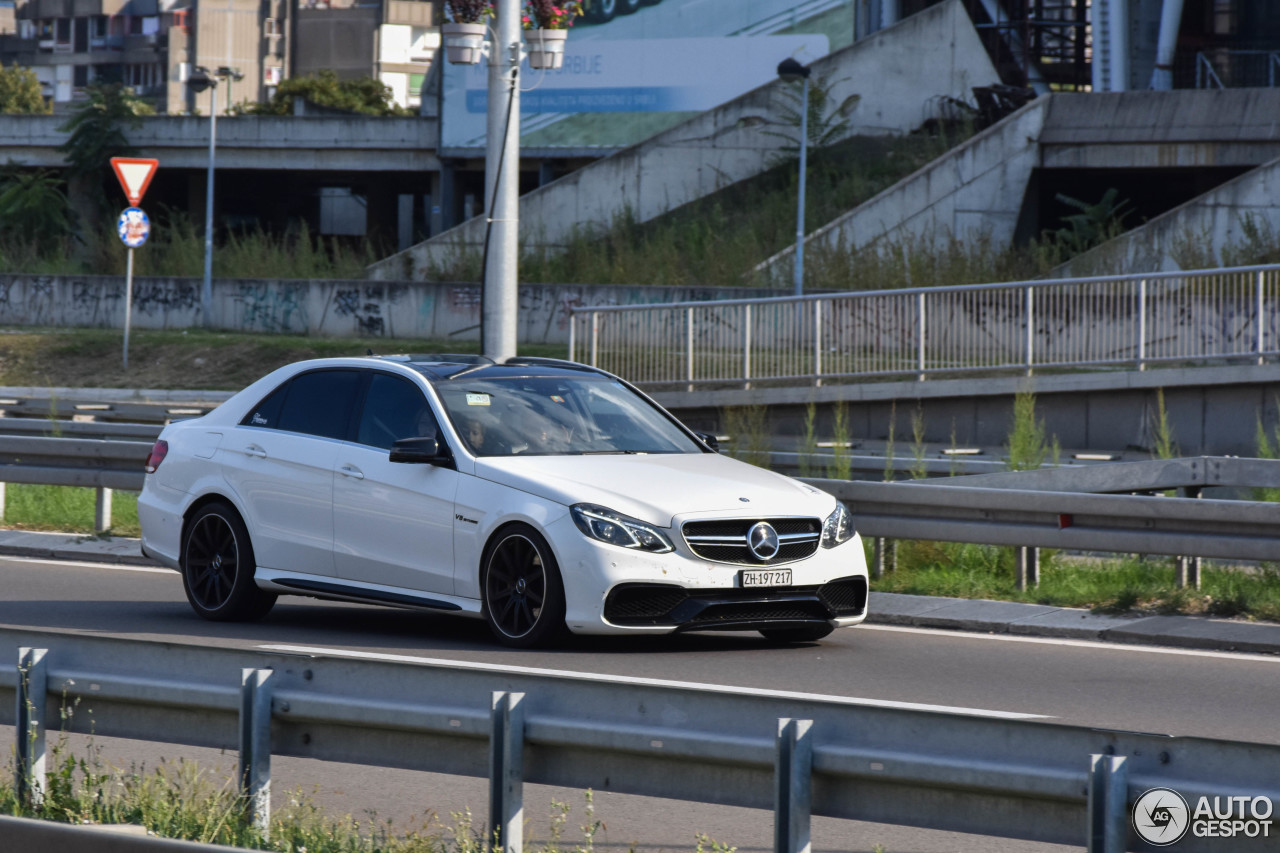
(218,567)
(807,634)
(521,588)
(627,7)
(601,11)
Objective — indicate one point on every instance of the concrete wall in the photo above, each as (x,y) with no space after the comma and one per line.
(1207,231)
(420,310)
(973,192)
(1211,411)
(890,81)
(349,143)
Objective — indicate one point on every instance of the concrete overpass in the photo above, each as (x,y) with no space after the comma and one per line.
(1160,150)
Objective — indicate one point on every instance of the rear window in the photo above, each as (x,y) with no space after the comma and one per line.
(318,403)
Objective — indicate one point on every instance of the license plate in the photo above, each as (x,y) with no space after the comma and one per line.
(766,577)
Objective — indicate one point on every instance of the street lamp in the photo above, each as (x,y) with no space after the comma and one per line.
(792,71)
(202,78)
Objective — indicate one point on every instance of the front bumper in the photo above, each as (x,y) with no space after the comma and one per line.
(841,601)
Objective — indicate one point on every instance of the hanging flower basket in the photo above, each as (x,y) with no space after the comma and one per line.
(463,43)
(546,47)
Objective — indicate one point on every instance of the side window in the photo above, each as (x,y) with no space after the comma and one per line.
(394,409)
(320,403)
(267,413)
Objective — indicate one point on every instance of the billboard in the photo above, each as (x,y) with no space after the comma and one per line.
(637,74)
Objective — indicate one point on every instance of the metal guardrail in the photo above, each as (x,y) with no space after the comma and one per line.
(102,410)
(962,770)
(1239,530)
(1132,321)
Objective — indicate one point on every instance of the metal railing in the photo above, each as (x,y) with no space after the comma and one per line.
(963,770)
(1239,67)
(1116,321)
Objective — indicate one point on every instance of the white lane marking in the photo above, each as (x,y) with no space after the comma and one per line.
(1084,644)
(650,682)
(116,567)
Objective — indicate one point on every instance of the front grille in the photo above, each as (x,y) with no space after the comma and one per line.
(644,604)
(725,540)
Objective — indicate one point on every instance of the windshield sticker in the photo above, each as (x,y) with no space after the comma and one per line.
(557,398)
(477,399)
(258,419)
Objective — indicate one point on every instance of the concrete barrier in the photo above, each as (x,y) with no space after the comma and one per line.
(437,311)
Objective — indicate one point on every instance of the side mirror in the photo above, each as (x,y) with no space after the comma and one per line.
(709,439)
(418,451)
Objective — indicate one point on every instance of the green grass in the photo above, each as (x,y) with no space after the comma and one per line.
(182,800)
(67,509)
(1106,586)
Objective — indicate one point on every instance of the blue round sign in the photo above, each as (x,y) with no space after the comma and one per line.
(134,227)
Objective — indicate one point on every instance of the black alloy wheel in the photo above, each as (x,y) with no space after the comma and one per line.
(807,634)
(218,567)
(523,593)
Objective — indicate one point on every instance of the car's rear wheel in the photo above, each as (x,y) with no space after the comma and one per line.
(523,592)
(218,567)
(626,7)
(807,634)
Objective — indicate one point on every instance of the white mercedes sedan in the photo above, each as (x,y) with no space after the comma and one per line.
(539,495)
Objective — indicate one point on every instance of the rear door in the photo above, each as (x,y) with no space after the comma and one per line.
(280,460)
(392,521)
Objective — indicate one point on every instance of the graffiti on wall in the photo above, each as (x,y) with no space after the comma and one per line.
(271,307)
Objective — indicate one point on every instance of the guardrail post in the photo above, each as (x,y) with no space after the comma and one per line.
(817,342)
(2,497)
(595,338)
(884,557)
(1028,567)
(1189,567)
(255,745)
(746,347)
(792,786)
(1031,328)
(102,509)
(1261,324)
(573,336)
(920,331)
(506,773)
(28,773)
(1142,324)
(688,348)
(1108,804)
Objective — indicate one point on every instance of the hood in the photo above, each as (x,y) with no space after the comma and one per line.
(656,488)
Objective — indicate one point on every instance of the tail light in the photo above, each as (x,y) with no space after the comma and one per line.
(159,451)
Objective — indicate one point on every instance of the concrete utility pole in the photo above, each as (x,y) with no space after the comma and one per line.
(502,187)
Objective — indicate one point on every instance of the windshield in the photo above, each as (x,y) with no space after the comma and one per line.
(557,416)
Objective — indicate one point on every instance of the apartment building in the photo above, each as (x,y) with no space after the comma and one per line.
(153,45)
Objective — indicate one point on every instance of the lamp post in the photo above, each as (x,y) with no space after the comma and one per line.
(202,78)
(792,71)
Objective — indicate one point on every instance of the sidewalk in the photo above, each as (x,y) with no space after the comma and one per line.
(916,611)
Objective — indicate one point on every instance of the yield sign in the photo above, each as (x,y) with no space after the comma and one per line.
(134,175)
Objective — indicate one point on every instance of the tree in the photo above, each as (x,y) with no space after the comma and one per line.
(362,95)
(33,206)
(20,92)
(96,135)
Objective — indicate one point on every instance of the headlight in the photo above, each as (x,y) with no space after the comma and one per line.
(838,527)
(605,525)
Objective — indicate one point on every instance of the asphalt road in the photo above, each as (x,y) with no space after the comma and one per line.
(1141,689)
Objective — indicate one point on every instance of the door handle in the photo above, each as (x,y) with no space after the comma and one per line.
(255,450)
(351,471)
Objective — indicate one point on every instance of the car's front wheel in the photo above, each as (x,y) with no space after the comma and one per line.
(218,567)
(807,634)
(523,592)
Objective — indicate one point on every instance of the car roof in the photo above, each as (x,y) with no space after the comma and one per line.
(443,367)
